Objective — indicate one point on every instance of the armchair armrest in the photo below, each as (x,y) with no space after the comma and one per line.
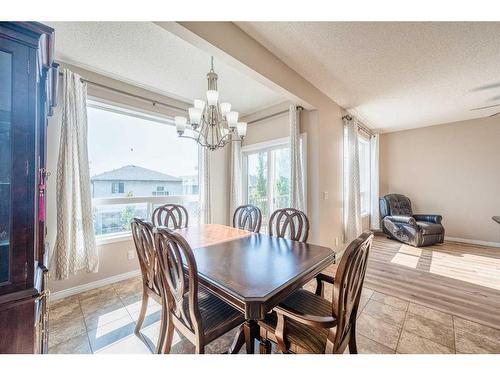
(430,218)
(285,313)
(402,219)
(306,319)
(320,278)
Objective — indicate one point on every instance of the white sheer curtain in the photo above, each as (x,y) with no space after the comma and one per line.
(374,183)
(296,174)
(204,185)
(235,198)
(352,198)
(75,246)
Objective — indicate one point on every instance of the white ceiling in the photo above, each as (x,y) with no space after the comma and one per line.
(393,75)
(148,56)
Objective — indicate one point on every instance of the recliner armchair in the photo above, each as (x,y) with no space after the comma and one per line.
(399,222)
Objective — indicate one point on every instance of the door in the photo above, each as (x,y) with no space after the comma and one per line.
(267,179)
(16,153)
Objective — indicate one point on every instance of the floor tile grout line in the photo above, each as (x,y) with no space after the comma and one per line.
(426,338)
(378,343)
(454,333)
(404,321)
(402,328)
(85,325)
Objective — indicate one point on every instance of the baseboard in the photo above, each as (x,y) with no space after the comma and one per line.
(94,284)
(472,242)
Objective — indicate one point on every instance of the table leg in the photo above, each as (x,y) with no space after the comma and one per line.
(251,329)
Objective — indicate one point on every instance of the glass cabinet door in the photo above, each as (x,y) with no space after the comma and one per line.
(5,162)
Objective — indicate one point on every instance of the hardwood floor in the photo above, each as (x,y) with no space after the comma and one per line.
(458,279)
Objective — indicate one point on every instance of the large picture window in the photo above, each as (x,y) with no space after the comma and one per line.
(137,163)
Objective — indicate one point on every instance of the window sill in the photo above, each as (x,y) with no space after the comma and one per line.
(120,237)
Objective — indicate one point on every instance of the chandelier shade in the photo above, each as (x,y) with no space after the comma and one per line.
(212,124)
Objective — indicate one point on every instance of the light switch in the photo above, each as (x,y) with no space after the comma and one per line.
(325,195)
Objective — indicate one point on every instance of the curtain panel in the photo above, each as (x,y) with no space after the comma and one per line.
(75,246)
(297,199)
(235,193)
(204,185)
(352,197)
(374,183)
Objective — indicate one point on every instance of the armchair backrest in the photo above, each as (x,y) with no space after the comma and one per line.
(289,223)
(395,205)
(248,217)
(348,284)
(175,260)
(142,233)
(173,216)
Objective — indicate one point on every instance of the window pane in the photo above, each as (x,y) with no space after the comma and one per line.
(135,155)
(6,163)
(257,182)
(281,198)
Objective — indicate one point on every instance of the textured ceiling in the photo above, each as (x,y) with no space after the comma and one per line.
(393,75)
(146,55)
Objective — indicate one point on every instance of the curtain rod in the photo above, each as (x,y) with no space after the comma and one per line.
(153,102)
(359,125)
(299,108)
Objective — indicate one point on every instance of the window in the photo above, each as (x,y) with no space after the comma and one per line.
(364,174)
(160,191)
(117,188)
(137,163)
(266,176)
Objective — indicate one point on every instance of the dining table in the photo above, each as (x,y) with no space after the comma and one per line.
(253,272)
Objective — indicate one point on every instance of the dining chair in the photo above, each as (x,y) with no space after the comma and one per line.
(199,315)
(142,233)
(173,216)
(248,217)
(307,323)
(289,223)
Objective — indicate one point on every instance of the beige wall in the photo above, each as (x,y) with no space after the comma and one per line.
(113,257)
(324,124)
(452,170)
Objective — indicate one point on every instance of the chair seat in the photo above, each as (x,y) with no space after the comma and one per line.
(430,228)
(311,340)
(217,316)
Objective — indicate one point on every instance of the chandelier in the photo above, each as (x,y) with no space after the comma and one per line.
(211,124)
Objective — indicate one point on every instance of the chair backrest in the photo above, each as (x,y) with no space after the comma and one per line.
(174,257)
(289,223)
(142,233)
(348,284)
(173,216)
(395,205)
(248,217)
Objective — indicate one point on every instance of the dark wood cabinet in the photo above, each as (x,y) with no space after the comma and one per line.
(28,84)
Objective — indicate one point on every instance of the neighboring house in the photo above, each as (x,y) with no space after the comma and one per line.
(190,184)
(132,180)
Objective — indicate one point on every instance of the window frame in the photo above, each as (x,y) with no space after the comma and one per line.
(120,108)
(268,146)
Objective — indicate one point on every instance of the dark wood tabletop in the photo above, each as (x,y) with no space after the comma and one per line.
(253,272)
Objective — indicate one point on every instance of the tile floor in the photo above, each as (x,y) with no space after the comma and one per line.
(102,321)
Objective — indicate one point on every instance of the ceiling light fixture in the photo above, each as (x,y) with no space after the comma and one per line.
(211,124)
